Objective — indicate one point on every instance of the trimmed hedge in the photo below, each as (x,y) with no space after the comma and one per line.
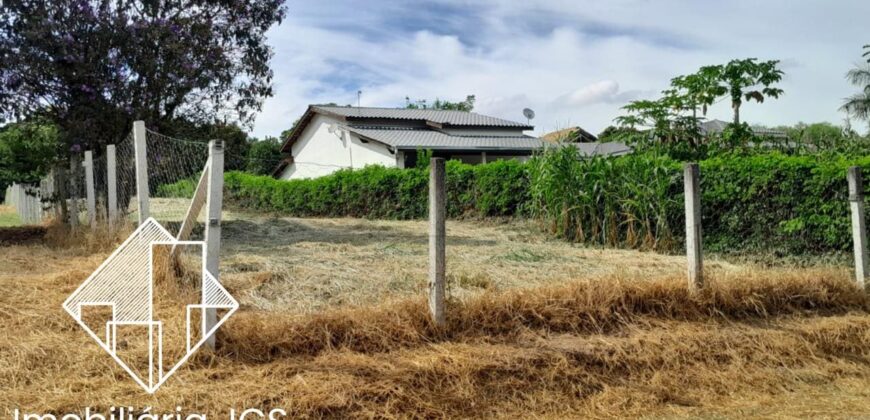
(497,189)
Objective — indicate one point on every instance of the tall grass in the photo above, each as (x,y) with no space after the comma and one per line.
(628,201)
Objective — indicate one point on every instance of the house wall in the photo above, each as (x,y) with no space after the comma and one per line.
(318,152)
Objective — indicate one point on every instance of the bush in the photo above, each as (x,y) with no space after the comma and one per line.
(498,189)
(764,202)
(179,189)
(750,203)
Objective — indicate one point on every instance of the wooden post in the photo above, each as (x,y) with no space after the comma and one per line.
(112,184)
(140,150)
(89,191)
(74,191)
(214,203)
(691,175)
(859,231)
(437,237)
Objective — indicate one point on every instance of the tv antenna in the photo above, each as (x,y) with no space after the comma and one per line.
(529,114)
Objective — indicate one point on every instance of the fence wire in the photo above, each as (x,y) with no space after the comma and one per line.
(125,160)
(174,169)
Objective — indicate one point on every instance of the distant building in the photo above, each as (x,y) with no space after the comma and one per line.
(329,138)
(718,126)
(586,143)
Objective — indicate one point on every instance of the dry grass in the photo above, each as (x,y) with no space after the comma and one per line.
(590,348)
(757,343)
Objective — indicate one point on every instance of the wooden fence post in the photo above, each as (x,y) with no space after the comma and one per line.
(141,152)
(90,193)
(112,184)
(73,184)
(437,237)
(214,203)
(859,231)
(691,176)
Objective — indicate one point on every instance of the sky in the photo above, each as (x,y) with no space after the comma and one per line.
(575,63)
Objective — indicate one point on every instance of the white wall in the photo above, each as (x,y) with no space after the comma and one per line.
(318,152)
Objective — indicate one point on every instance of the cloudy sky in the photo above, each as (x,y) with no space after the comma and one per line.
(573,62)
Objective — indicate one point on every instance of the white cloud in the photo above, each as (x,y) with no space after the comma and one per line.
(574,62)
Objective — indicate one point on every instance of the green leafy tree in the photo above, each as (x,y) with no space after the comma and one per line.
(858,105)
(263,156)
(700,89)
(27,151)
(92,67)
(748,79)
(467,105)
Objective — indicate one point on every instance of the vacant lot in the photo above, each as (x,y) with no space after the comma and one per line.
(306,265)
(333,324)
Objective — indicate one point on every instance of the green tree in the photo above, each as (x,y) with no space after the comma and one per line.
(263,156)
(700,89)
(858,105)
(27,151)
(748,79)
(91,67)
(467,105)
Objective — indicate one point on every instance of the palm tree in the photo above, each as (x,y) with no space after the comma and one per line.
(858,105)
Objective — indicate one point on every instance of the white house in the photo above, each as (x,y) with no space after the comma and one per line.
(329,138)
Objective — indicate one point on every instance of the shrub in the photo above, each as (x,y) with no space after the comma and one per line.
(498,189)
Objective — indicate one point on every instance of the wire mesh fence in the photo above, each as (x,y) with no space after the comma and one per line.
(174,170)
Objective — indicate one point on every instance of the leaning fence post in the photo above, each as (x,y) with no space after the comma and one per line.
(141,153)
(437,237)
(859,232)
(89,188)
(214,202)
(691,176)
(112,184)
(74,191)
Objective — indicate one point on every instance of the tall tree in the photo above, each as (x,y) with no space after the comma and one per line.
(858,105)
(94,66)
(748,79)
(700,89)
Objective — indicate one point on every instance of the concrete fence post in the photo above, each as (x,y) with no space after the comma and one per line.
(214,203)
(691,176)
(859,231)
(141,152)
(90,192)
(437,237)
(112,184)
(73,184)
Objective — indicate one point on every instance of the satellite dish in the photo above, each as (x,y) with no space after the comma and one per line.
(530,115)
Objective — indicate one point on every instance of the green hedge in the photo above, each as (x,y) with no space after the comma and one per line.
(497,189)
(768,202)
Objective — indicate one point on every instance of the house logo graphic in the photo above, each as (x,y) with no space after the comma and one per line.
(116,307)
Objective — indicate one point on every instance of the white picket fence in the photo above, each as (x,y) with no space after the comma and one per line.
(27,200)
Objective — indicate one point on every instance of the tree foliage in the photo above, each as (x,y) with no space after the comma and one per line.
(263,156)
(858,105)
(92,67)
(673,118)
(467,105)
(27,151)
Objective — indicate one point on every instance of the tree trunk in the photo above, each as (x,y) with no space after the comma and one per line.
(736,107)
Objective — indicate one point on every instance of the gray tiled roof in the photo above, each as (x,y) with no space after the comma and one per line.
(431,139)
(435,115)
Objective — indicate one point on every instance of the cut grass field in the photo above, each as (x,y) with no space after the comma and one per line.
(333,324)
(8,216)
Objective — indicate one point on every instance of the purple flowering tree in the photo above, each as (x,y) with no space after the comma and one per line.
(92,67)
